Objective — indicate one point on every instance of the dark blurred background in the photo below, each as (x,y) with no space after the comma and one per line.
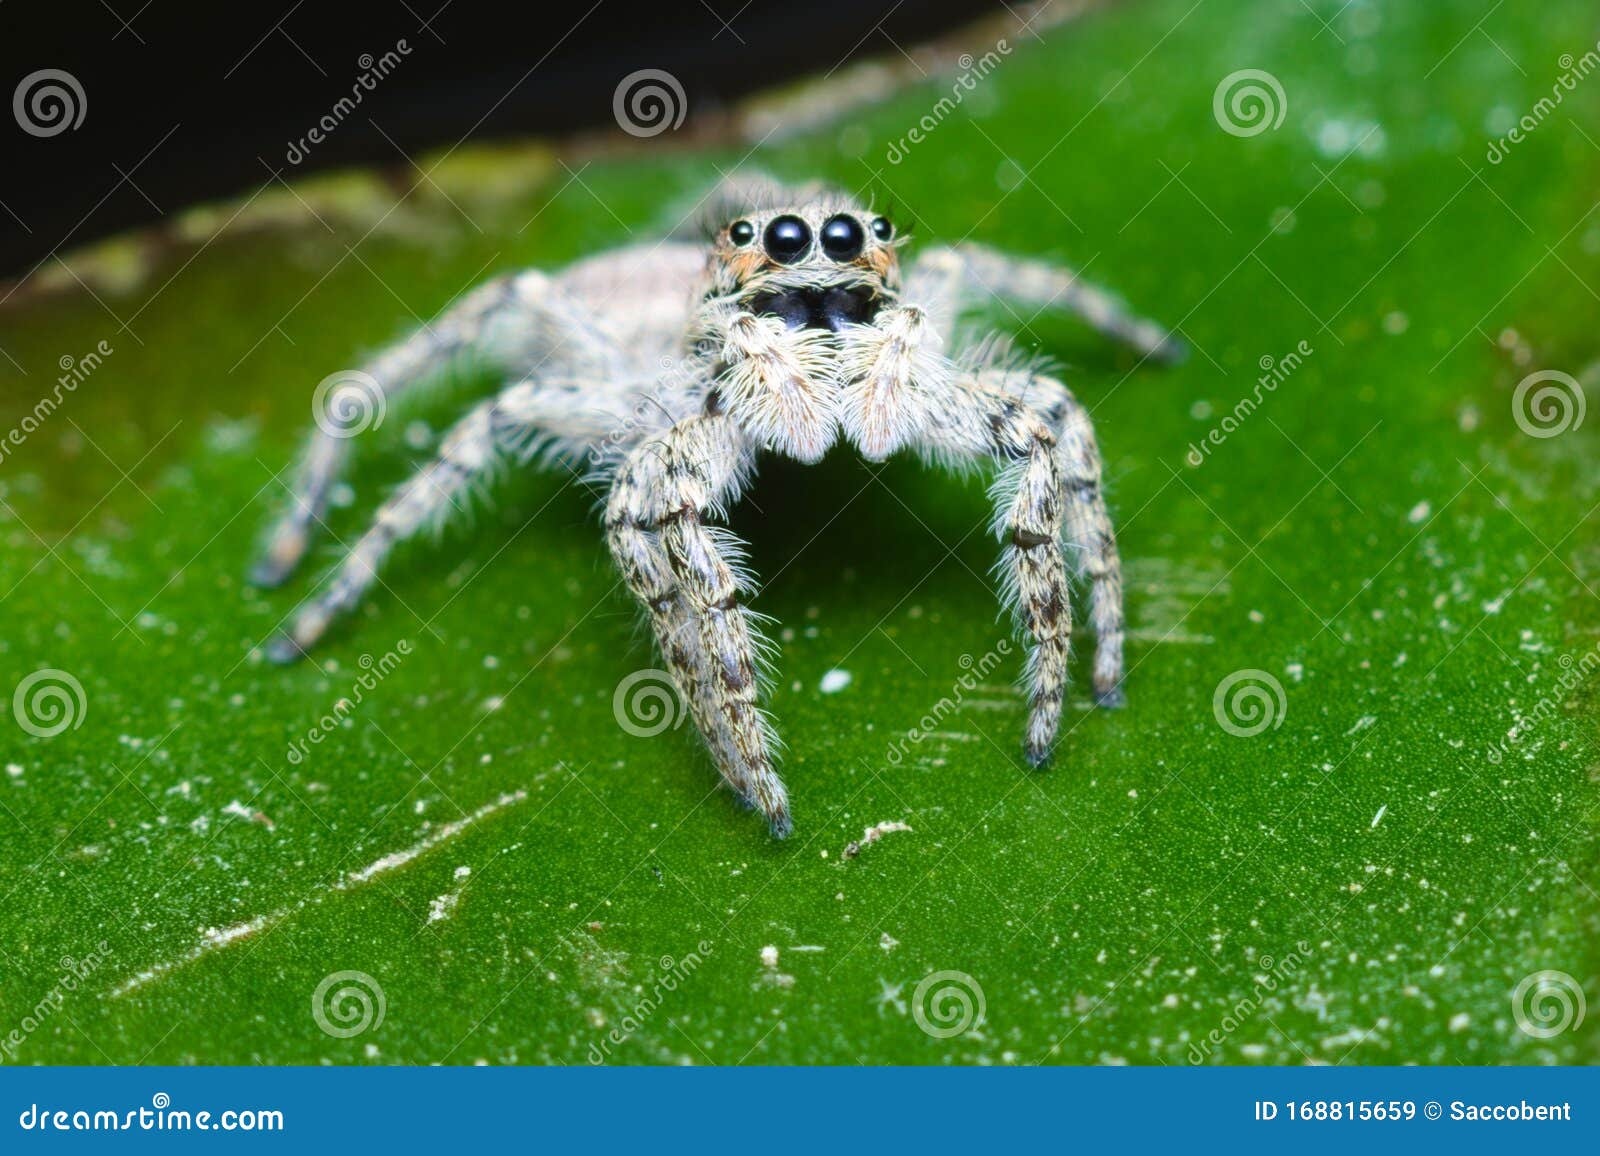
(183,102)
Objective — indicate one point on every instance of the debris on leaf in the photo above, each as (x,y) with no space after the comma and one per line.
(871,835)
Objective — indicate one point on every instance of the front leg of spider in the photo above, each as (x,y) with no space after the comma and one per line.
(680,566)
(971,422)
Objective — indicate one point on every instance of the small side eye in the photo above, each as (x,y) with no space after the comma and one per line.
(741,232)
(882,229)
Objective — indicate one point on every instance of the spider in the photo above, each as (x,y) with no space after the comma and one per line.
(671,368)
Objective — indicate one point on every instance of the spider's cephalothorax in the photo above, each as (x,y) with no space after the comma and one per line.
(672,371)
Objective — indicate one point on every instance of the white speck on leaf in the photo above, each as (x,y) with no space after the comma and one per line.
(834,681)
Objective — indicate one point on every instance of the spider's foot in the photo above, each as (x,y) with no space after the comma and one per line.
(1170,349)
(1111,697)
(310,623)
(280,559)
(775,807)
(1037,756)
(283,650)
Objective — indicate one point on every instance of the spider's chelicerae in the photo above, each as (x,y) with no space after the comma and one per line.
(791,324)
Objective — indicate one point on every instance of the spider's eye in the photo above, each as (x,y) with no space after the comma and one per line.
(842,238)
(787,239)
(882,229)
(741,232)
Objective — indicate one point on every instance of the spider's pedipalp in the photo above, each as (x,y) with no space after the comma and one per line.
(890,369)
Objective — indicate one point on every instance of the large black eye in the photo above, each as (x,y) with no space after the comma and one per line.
(882,229)
(741,232)
(842,238)
(787,240)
